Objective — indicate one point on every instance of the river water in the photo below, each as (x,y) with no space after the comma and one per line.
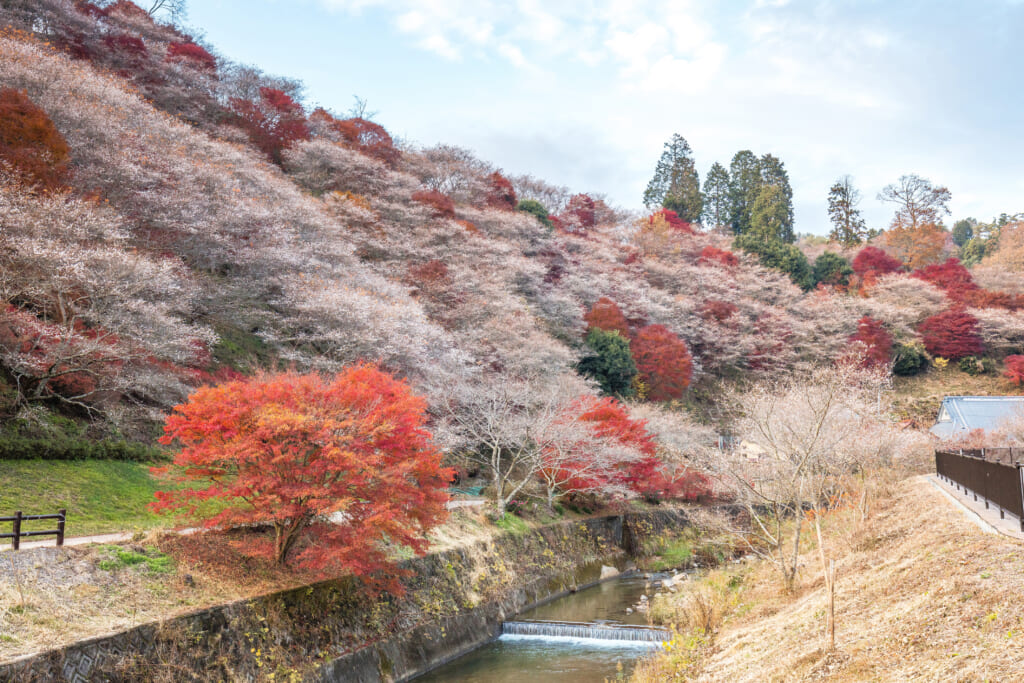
(532,659)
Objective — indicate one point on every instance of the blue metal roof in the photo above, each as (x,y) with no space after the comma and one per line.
(961,414)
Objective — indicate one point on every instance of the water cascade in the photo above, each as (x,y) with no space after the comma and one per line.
(594,631)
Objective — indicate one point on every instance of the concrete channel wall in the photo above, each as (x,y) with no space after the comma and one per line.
(333,632)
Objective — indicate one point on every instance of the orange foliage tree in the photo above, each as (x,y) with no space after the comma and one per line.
(30,145)
(663,362)
(606,315)
(292,450)
(916,246)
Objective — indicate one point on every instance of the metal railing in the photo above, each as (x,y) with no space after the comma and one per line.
(17,534)
(993,475)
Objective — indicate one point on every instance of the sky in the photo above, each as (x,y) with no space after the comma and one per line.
(584,93)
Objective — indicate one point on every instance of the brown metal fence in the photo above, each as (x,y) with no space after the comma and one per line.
(993,475)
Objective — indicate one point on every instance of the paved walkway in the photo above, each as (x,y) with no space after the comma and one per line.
(127,535)
(986,518)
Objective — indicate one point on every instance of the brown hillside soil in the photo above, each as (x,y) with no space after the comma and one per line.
(922,594)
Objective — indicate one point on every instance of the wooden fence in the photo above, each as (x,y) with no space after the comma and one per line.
(995,475)
(17,534)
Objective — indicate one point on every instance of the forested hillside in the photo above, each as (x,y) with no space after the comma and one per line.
(171,218)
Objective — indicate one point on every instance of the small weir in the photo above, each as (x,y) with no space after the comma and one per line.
(569,629)
(591,635)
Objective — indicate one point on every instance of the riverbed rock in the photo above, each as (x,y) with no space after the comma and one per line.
(608,572)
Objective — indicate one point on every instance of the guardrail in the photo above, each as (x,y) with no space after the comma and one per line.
(996,475)
(17,534)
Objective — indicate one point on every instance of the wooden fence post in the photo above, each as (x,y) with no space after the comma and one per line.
(16,541)
(60,526)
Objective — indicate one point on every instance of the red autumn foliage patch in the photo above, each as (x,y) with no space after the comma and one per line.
(192,54)
(273,122)
(717,310)
(366,137)
(714,255)
(441,203)
(874,261)
(673,220)
(876,340)
(1014,369)
(952,334)
(579,215)
(500,194)
(31,147)
(663,362)
(606,315)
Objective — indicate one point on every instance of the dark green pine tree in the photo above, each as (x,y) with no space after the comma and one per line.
(676,183)
(744,184)
(773,172)
(611,364)
(716,197)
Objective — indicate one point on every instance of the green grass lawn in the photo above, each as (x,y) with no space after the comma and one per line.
(101,496)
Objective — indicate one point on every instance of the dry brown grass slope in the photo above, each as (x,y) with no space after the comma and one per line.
(923,594)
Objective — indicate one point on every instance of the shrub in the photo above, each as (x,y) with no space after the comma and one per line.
(832,269)
(952,334)
(975,366)
(780,256)
(909,359)
(535,208)
(30,145)
(67,448)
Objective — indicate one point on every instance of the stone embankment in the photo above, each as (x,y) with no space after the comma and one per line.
(455,601)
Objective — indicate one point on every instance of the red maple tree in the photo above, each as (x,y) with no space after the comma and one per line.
(293,450)
(500,194)
(874,261)
(579,215)
(952,334)
(1014,369)
(366,137)
(876,341)
(663,362)
(606,315)
(274,122)
(30,145)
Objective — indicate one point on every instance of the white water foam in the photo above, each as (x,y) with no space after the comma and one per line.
(596,643)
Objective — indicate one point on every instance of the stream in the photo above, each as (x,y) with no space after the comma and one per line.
(558,658)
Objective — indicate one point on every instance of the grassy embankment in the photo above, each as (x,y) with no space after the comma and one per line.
(922,593)
(919,397)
